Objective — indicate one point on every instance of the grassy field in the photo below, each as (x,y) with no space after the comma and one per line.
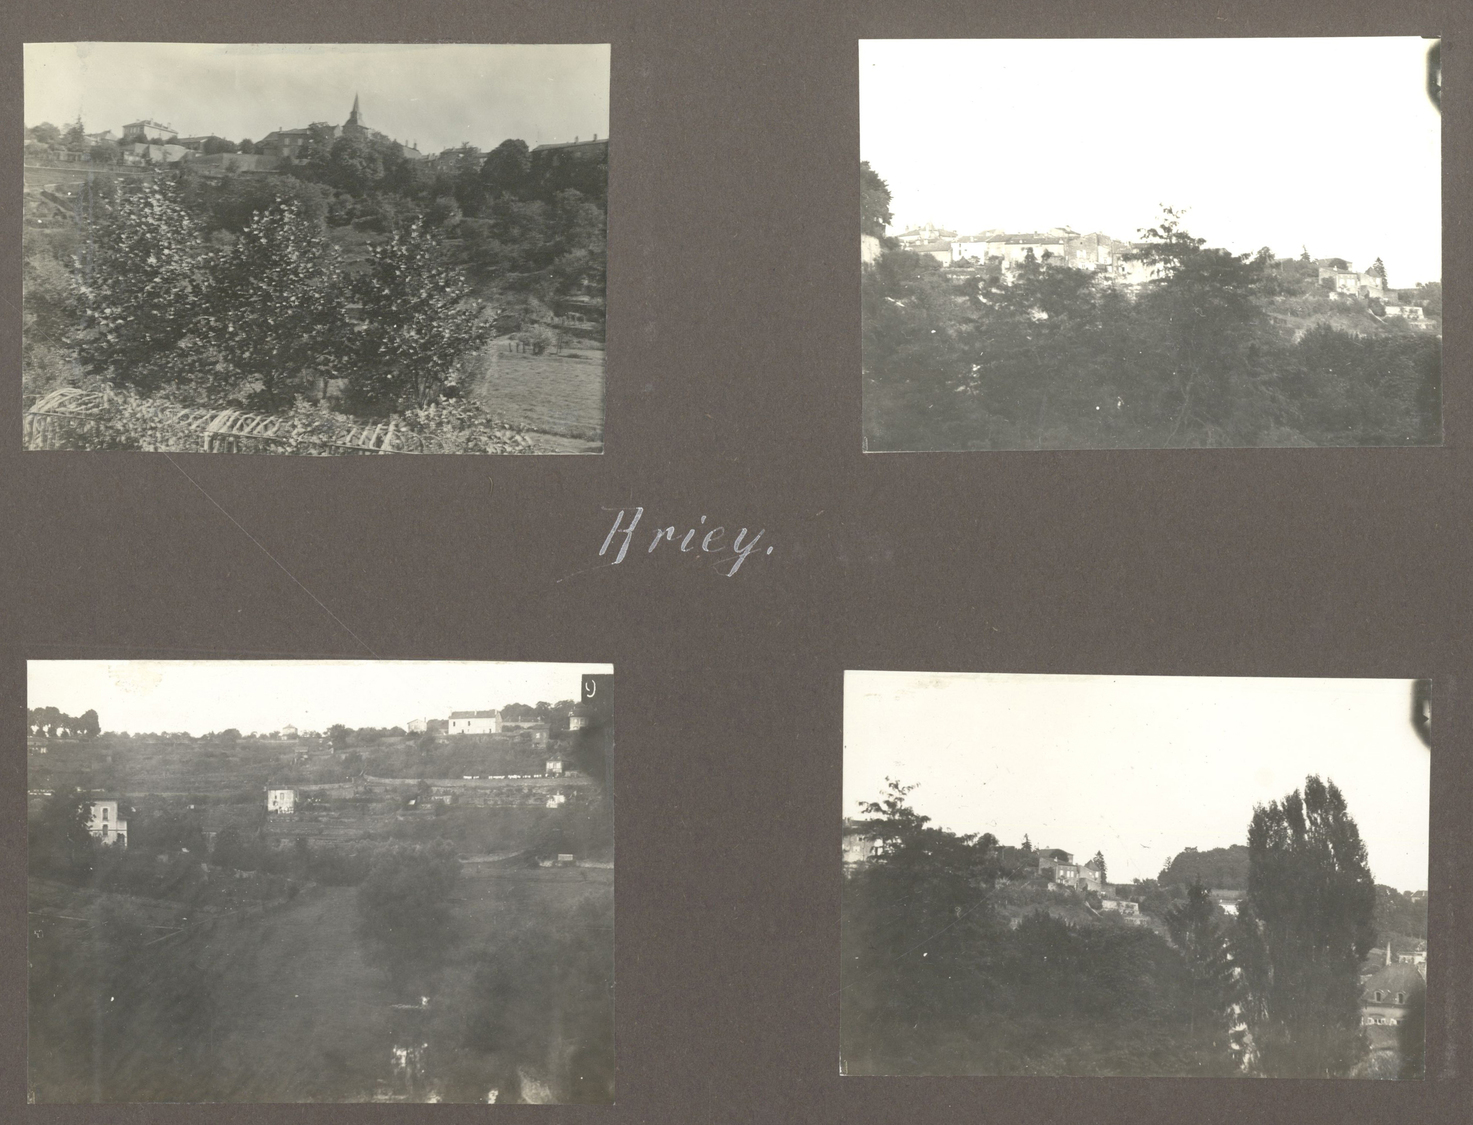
(557,395)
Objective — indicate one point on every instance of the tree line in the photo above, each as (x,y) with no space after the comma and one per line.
(1050,356)
(936,980)
(51,722)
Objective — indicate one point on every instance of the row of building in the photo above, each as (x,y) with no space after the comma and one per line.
(1113,258)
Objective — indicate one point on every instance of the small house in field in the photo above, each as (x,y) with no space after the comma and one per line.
(105,825)
(580,716)
(417,726)
(554,767)
(288,731)
(281,800)
(474,722)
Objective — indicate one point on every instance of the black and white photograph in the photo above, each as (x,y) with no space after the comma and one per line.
(1150,243)
(315,249)
(1150,876)
(304,881)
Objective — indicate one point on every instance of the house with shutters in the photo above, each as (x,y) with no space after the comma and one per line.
(105,824)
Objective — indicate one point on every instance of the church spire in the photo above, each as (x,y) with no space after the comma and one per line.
(354,118)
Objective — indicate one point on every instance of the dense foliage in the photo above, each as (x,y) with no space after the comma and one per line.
(354,275)
(1218,349)
(1304,929)
(936,981)
(954,963)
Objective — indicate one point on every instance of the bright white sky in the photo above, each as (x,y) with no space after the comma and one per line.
(200,696)
(1326,143)
(1139,767)
(435,95)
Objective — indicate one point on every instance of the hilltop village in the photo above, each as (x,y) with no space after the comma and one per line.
(998,255)
(149,143)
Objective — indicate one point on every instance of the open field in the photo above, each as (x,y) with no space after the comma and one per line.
(560,395)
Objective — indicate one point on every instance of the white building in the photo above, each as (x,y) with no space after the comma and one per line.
(288,731)
(418,726)
(555,767)
(474,722)
(281,800)
(105,826)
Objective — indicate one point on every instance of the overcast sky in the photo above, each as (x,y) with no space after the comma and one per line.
(1139,767)
(200,696)
(1326,143)
(437,96)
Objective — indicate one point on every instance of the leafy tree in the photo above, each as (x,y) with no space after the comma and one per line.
(874,201)
(1205,308)
(918,922)
(337,735)
(216,145)
(543,995)
(143,282)
(46,133)
(59,843)
(1412,1037)
(105,152)
(506,168)
(404,911)
(87,724)
(276,312)
(418,324)
(1304,928)
(1195,931)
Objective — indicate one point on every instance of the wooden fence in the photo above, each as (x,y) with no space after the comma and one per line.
(64,417)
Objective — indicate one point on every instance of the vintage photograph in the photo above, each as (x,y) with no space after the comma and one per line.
(1150,243)
(304,881)
(1134,876)
(315,248)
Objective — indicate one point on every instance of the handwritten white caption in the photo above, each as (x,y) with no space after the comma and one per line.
(712,542)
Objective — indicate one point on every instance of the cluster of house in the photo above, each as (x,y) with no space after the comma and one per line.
(1097,252)
(1113,259)
(150,142)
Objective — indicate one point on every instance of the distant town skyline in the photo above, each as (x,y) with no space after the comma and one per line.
(435,96)
(265,695)
(1140,767)
(1253,138)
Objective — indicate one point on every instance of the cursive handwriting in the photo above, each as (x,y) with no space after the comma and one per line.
(710,540)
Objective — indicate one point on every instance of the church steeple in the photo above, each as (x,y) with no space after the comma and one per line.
(354,118)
